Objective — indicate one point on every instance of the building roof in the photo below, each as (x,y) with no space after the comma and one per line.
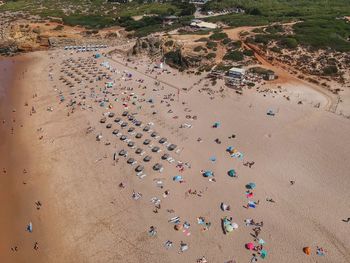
(239,70)
(171,17)
(204,25)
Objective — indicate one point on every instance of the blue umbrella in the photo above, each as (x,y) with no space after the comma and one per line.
(208,174)
(231,173)
(250,186)
(213,158)
(177,178)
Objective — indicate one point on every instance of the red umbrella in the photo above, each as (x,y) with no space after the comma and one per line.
(250,246)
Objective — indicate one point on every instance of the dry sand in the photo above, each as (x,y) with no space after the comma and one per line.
(86,217)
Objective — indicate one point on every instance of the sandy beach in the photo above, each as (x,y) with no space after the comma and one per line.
(65,153)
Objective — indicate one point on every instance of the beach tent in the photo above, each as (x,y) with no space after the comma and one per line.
(234,225)
(250,186)
(250,195)
(208,174)
(216,125)
(97,55)
(251,204)
(249,246)
(227,225)
(228,228)
(261,241)
(270,112)
(109,84)
(232,173)
(263,253)
(177,178)
(230,149)
(30,227)
(307,250)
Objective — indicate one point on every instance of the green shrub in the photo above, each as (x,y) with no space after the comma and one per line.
(248,52)
(90,21)
(234,55)
(330,70)
(211,44)
(276,49)
(275,29)
(197,48)
(226,41)
(289,42)
(223,67)
(202,39)
(262,39)
(218,36)
(235,44)
(211,55)
(322,33)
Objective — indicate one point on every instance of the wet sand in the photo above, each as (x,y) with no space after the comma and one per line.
(21,180)
(13,158)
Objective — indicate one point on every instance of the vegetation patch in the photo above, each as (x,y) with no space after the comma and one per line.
(211,44)
(248,52)
(234,55)
(218,36)
(330,70)
(88,21)
(199,49)
(211,55)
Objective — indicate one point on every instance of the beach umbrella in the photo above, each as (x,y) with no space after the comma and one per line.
(231,173)
(251,204)
(229,228)
(250,195)
(30,227)
(263,253)
(261,241)
(208,174)
(270,112)
(178,227)
(249,246)
(216,125)
(250,186)
(177,178)
(307,250)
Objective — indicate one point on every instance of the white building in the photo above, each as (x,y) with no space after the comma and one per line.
(236,72)
(203,25)
(199,2)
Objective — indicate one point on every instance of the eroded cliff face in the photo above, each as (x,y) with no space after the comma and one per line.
(24,33)
(151,46)
(21,37)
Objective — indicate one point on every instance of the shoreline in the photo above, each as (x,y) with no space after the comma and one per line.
(17,194)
